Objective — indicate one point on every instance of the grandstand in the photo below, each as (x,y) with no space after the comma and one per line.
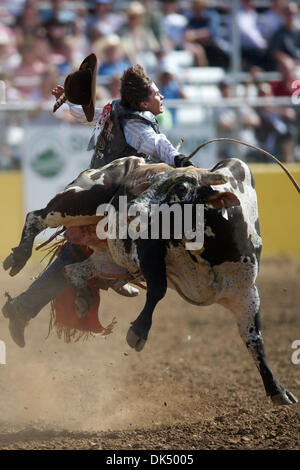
(221,65)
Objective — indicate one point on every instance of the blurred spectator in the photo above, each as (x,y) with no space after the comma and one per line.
(138,41)
(58,10)
(174,23)
(77,42)
(9,57)
(43,50)
(235,123)
(288,83)
(203,29)
(272,19)
(115,87)
(60,49)
(170,87)
(285,42)
(277,132)
(14,7)
(49,80)
(153,20)
(111,55)
(27,76)
(28,23)
(102,21)
(253,44)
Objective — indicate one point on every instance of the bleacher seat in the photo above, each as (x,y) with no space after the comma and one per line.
(180,59)
(205,93)
(187,115)
(203,75)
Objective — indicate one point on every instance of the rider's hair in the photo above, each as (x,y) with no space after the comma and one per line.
(135,87)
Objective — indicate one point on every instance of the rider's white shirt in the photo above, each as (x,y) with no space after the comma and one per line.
(137,134)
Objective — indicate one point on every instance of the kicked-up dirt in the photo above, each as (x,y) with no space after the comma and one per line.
(194,386)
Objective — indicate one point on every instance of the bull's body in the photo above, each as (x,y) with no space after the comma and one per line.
(224,271)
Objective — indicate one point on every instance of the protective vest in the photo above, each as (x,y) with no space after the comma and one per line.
(111,143)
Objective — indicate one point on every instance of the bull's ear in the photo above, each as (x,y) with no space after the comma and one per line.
(221,200)
(140,188)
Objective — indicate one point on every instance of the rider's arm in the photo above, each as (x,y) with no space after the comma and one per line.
(77,112)
(144,139)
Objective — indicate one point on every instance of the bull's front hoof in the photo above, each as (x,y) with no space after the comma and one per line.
(135,341)
(16,261)
(284,398)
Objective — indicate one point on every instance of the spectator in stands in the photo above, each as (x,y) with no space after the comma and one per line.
(203,29)
(285,43)
(111,55)
(288,83)
(9,57)
(58,10)
(277,132)
(102,21)
(253,44)
(77,41)
(114,88)
(138,41)
(14,7)
(60,49)
(153,20)
(239,123)
(170,87)
(28,23)
(272,20)
(49,79)
(173,23)
(27,75)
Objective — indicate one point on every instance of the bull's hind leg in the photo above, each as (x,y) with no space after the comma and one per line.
(34,224)
(152,264)
(246,306)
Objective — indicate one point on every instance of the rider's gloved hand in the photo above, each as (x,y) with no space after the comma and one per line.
(181,160)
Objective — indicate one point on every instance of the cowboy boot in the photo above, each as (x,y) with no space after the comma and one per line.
(17,321)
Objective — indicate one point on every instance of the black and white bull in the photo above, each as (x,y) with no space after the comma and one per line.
(223,271)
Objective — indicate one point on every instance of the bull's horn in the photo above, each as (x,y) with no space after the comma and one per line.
(209,179)
(61,100)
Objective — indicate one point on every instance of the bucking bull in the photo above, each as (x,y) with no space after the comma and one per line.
(223,271)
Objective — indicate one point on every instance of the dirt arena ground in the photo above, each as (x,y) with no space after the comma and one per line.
(194,386)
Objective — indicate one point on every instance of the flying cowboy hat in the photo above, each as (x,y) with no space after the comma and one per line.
(80,87)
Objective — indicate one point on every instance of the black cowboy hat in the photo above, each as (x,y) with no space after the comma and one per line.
(80,87)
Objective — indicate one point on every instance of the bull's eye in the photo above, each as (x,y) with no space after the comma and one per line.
(181,189)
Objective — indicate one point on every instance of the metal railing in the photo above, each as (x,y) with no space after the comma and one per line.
(195,120)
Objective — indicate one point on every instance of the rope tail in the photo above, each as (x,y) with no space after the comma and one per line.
(61,100)
(227,139)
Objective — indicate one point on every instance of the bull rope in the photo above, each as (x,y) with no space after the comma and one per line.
(227,139)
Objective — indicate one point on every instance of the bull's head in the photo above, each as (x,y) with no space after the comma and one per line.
(188,186)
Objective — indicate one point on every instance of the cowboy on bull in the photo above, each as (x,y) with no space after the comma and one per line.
(122,128)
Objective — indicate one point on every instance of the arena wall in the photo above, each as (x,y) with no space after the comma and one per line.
(279,209)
